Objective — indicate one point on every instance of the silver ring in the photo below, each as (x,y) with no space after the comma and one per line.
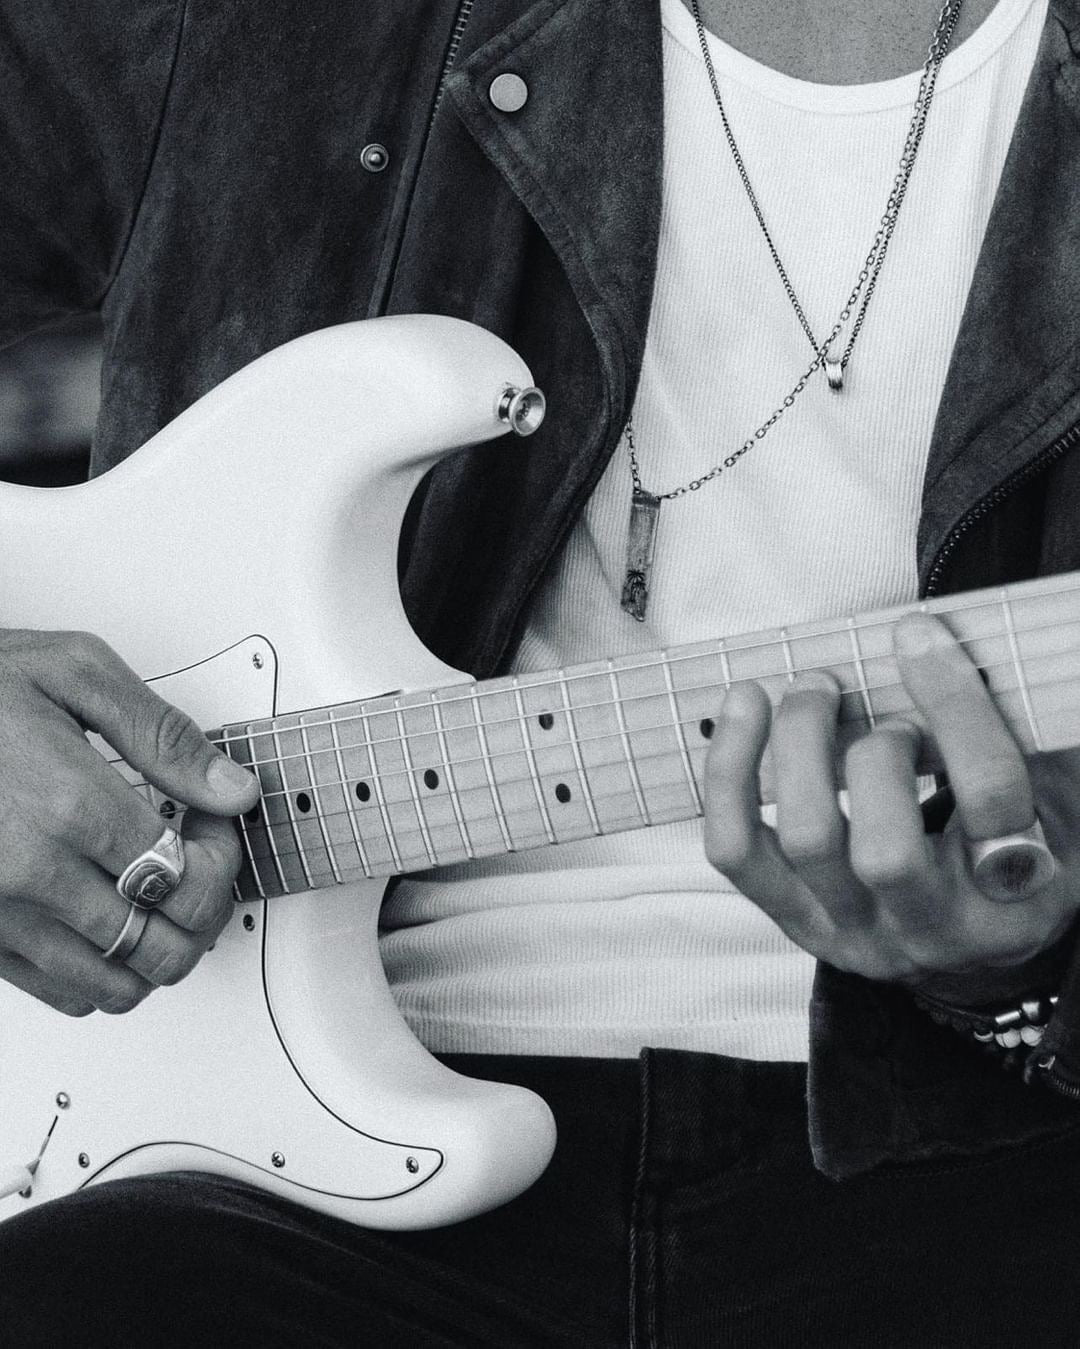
(154,874)
(129,935)
(1013,866)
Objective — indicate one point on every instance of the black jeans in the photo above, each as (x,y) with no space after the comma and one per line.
(681,1209)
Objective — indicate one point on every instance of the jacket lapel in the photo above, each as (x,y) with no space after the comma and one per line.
(584,155)
(1013,386)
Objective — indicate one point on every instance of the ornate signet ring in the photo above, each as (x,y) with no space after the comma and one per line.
(154,874)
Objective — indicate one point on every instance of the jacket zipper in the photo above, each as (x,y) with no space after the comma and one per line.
(392,249)
(982,508)
(1057,1082)
(1063,1085)
(461,22)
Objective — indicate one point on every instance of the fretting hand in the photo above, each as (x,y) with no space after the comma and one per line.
(875,894)
(70,824)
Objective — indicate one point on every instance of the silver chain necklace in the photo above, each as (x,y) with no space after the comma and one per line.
(644,505)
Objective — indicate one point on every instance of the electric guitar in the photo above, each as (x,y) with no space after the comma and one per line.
(243,562)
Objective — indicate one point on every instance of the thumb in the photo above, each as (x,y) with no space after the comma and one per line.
(154,737)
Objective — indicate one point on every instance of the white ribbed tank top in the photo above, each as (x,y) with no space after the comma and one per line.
(604,945)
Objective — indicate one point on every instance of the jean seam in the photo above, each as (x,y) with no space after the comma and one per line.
(641,1319)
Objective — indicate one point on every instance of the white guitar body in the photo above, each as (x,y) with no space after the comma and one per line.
(244,562)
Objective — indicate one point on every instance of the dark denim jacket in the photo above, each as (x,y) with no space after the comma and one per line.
(194,169)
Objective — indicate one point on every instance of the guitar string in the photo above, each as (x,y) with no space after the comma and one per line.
(401,829)
(720,646)
(409,835)
(383,707)
(546,746)
(859,691)
(385,774)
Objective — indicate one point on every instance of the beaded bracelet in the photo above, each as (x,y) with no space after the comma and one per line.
(998,1028)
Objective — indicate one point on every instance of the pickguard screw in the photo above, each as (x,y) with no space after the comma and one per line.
(249,923)
(412,1165)
(63,1100)
(278,1159)
(84,1160)
(257,660)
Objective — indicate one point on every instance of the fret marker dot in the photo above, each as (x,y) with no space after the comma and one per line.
(546,721)
(562,793)
(431,779)
(707,727)
(303,802)
(363,791)
(168,809)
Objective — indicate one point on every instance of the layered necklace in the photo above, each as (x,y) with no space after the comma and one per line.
(645,505)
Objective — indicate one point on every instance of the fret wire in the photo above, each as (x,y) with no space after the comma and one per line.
(575,747)
(725,665)
(448,773)
(318,800)
(410,770)
(224,738)
(380,799)
(350,811)
(245,843)
(788,661)
(692,688)
(302,854)
(271,839)
(1021,676)
(531,759)
(687,766)
(625,738)
(493,788)
(857,658)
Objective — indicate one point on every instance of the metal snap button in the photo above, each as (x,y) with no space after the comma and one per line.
(508,93)
(374,157)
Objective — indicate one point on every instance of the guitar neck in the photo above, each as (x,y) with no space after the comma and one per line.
(409,782)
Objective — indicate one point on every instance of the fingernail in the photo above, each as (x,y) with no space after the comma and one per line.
(815,681)
(916,635)
(227,778)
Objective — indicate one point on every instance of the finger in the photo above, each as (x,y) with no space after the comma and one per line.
(93,811)
(164,953)
(68,961)
(889,850)
(22,975)
(737,842)
(203,901)
(810,825)
(985,765)
(159,740)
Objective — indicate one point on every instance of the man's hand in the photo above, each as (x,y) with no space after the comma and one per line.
(69,824)
(876,894)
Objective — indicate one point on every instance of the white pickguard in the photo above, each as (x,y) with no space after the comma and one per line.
(249,550)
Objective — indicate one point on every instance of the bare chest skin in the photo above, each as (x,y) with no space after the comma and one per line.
(836,41)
